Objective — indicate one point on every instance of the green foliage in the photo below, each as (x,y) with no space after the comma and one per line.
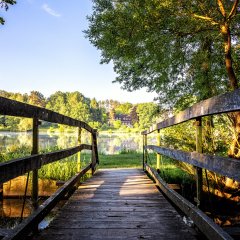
(175,48)
(146,113)
(5,5)
(74,104)
(123,108)
(117,124)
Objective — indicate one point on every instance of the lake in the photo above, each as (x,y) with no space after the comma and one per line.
(107,143)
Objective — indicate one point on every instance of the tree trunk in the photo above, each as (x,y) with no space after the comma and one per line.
(225,30)
(234,150)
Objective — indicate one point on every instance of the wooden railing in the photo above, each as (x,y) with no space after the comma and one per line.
(18,167)
(229,102)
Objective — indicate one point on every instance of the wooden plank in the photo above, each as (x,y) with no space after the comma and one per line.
(115,211)
(228,102)
(19,109)
(225,166)
(22,230)
(4,232)
(133,234)
(202,221)
(18,167)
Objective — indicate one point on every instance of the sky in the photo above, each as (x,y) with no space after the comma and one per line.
(43,48)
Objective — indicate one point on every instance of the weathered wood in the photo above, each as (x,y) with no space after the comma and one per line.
(225,166)
(35,137)
(79,141)
(202,221)
(114,210)
(95,159)
(199,149)
(145,150)
(18,167)
(158,155)
(22,230)
(1,191)
(228,102)
(4,232)
(113,233)
(19,109)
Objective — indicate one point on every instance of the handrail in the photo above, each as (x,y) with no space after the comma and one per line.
(229,167)
(228,102)
(20,166)
(18,109)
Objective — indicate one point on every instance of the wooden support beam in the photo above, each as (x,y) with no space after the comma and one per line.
(143,156)
(199,149)
(228,102)
(200,219)
(1,191)
(26,227)
(158,154)
(18,167)
(95,159)
(225,166)
(145,149)
(35,138)
(79,153)
(19,109)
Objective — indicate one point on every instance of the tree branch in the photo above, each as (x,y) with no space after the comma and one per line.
(234,8)
(206,18)
(221,8)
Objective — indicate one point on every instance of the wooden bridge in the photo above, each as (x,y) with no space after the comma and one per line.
(122,203)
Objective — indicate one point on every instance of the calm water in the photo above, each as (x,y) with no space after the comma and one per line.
(107,143)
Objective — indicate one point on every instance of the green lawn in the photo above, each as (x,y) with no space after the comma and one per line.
(128,160)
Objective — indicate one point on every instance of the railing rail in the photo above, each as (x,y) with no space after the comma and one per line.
(228,102)
(229,167)
(20,166)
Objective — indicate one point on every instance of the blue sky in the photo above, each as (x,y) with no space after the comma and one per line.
(42,47)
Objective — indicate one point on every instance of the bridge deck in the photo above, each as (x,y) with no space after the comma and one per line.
(118,204)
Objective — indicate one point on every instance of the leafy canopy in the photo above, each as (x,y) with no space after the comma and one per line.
(175,48)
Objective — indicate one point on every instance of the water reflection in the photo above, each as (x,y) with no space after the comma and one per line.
(107,143)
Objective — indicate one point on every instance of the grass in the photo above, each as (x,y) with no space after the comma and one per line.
(122,160)
(66,168)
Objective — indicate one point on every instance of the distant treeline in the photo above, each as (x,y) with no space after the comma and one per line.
(102,115)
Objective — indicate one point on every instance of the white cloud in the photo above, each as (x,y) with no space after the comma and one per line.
(50,11)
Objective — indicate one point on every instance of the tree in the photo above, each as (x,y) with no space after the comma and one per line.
(123,108)
(186,51)
(175,48)
(146,113)
(5,5)
(36,98)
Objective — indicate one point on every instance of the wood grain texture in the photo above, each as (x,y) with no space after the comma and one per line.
(19,109)
(117,204)
(20,166)
(202,221)
(228,102)
(27,226)
(225,166)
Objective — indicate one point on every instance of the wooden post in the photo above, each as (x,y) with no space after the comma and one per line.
(143,152)
(94,151)
(158,155)
(35,172)
(1,192)
(79,153)
(145,149)
(199,149)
